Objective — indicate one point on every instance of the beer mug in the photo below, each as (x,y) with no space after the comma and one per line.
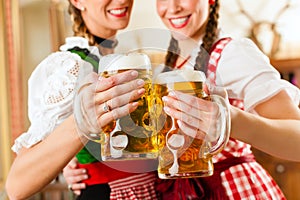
(180,155)
(131,137)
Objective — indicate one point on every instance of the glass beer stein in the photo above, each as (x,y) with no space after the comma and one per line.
(180,155)
(131,137)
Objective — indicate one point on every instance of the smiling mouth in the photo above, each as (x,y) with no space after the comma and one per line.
(119,12)
(179,22)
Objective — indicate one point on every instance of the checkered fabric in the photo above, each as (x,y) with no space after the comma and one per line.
(136,187)
(248,180)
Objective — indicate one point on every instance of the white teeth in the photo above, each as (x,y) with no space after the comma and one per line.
(118,11)
(179,21)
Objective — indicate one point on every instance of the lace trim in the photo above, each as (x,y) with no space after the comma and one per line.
(51,93)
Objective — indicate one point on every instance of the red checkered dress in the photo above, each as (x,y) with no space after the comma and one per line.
(247,180)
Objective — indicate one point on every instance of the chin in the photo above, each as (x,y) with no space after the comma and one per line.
(180,36)
(121,26)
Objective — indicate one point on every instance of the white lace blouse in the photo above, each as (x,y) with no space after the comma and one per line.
(243,70)
(51,91)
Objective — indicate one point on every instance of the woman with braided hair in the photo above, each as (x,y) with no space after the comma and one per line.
(264,108)
(54,137)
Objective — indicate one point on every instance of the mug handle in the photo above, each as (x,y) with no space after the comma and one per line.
(224,122)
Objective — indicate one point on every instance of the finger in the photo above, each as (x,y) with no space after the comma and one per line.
(76,179)
(77,187)
(117,113)
(77,192)
(191,131)
(118,90)
(188,119)
(194,108)
(106,83)
(74,172)
(122,100)
(191,100)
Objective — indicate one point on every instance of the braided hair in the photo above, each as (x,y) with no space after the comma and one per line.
(79,28)
(211,35)
(172,55)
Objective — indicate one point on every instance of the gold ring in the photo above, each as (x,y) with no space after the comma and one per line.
(106,107)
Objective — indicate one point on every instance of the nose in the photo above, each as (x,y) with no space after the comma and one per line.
(174,6)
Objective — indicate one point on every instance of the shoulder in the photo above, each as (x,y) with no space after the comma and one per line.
(57,62)
(243,44)
(245,50)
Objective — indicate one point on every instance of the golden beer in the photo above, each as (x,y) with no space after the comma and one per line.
(179,154)
(130,137)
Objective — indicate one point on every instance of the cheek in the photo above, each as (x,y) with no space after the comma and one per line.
(160,9)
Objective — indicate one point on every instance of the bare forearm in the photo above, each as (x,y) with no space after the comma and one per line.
(37,166)
(278,137)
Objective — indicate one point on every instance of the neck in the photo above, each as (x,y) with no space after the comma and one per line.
(186,46)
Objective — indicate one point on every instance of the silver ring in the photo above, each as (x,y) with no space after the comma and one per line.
(70,187)
(106,107)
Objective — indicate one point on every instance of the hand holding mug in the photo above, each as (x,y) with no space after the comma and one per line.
(101,100)
(193,124)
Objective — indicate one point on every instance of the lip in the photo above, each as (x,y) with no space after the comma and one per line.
(179,22)
(118,12)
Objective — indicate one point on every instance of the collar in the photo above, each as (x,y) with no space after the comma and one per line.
(106,42)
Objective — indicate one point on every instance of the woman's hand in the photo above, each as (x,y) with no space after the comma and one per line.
(74,175)
(196,117)
(101,100)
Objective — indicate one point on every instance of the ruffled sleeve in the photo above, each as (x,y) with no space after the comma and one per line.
(50,96)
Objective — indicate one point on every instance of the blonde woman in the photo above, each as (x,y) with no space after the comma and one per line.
(53,138)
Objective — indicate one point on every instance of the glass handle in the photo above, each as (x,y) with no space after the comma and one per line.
(224,123)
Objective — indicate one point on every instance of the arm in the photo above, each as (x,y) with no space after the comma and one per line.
(37,166)
(276,131)
(43,161)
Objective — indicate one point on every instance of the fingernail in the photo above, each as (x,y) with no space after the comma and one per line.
(140,82)
(172,94)
(179,123)
(134,104)
(134,73)
(166,109)
(141,91)
(85,177)
(83,171)
(165,99)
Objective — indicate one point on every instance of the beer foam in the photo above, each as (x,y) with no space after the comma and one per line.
(182,75)
(122,61)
